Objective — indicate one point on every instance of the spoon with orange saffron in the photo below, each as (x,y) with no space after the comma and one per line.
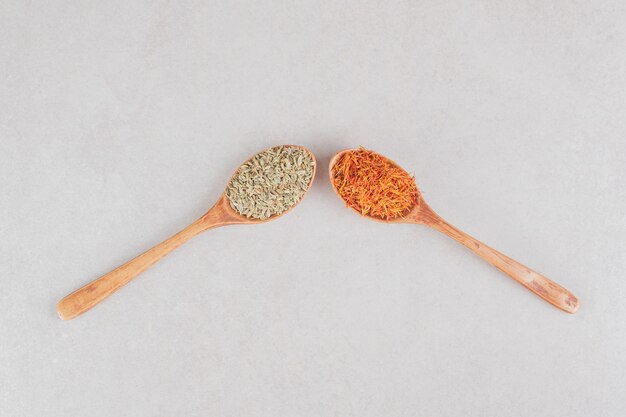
(376,187)
(224,213)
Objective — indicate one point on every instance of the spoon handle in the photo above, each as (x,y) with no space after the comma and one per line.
(535,282)
(91,294)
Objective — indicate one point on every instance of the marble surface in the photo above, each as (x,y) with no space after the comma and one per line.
(120,123)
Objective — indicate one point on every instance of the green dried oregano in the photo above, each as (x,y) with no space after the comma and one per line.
(271,182)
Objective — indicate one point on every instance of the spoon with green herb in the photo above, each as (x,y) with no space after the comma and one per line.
(265,187)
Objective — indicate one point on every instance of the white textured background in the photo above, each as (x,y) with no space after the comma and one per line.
(120,123)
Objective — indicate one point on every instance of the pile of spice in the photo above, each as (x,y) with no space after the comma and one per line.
(373,185)
(271,182)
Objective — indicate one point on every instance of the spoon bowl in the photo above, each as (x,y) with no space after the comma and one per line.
(421,213)
(221,214)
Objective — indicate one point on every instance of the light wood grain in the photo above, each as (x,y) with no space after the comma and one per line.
(221,214)
(535,282)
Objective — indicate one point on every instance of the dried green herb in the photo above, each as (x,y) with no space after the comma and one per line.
(271,182)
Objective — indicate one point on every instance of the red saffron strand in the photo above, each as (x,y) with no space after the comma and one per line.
(372,185)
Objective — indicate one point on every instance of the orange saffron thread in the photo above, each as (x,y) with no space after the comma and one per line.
(373,185)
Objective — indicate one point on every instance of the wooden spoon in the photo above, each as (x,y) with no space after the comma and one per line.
(421,213)
(221,214)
